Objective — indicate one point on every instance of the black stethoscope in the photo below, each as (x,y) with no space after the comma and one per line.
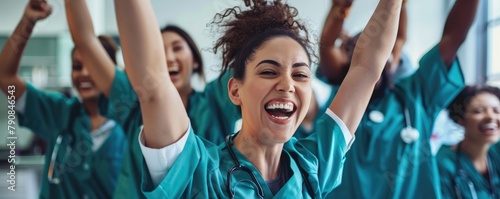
(409,134)
(238,166)
(462,173)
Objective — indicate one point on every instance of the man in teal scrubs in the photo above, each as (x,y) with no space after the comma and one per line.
(392,157)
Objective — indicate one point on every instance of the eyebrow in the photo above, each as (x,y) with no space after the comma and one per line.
(275,63)
(178,41)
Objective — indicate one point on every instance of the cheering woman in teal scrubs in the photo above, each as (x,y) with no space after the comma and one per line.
(472,168)
(212,114)
(85,149)
(268,50)
(392,156)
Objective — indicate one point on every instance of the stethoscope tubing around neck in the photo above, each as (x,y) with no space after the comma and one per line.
(461,172)
(238,166)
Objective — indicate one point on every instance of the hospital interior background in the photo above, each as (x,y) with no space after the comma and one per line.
(46,60)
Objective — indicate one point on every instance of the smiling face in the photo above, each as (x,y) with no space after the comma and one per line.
(482,119)
(180,61)
(81,79)
(276,90)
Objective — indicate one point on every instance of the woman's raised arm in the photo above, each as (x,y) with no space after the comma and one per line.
(368,62)
(164,116)
(100,66)
(11,54)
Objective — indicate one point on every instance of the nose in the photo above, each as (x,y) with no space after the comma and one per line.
(84,71)
(286,84)
(169,54)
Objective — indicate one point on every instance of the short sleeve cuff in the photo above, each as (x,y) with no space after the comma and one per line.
(160,161)
(433,59)
(349,139)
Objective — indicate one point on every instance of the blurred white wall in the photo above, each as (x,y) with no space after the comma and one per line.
(425,23)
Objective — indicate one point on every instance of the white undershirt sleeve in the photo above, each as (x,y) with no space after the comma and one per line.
(160,161)
(349,139)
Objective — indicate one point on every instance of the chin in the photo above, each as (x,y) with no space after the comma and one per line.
(281,139)
(89,95)
(285,136)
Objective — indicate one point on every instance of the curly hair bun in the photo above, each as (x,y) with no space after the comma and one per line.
(262,16)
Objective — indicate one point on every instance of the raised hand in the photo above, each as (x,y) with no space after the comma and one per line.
(10,57)
(37,10)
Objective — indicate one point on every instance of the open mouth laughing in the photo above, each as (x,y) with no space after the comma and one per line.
(280,110)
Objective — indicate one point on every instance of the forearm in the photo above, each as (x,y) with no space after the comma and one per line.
(164,116)
(370,55)
(331,56)
(11,54)
(100,66)
(79,21)
(377,39)
(333,26)
(12,51)
(457,26)
(400,39)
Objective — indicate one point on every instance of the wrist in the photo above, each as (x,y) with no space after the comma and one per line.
(341,11)
(29,19)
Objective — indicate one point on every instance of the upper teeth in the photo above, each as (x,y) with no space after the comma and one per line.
(288,106)
(490,126)
(85,85)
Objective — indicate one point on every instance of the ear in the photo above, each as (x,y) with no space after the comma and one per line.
(195,66)
(233,87)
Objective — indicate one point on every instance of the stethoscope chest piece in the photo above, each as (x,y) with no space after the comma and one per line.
(376,116)
(409,134)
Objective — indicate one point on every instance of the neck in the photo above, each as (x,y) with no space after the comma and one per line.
(478,154)
(265,158)
(92,109)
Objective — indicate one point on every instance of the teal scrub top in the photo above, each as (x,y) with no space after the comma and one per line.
(212,115)
(454,182)
(201,169)
(83,173)
(381,164)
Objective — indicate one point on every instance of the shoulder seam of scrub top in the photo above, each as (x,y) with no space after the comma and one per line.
(160,161)
(349,139)
(21,102)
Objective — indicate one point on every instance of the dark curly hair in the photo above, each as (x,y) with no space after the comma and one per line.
(192,45)
(245,31)
(456,109)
